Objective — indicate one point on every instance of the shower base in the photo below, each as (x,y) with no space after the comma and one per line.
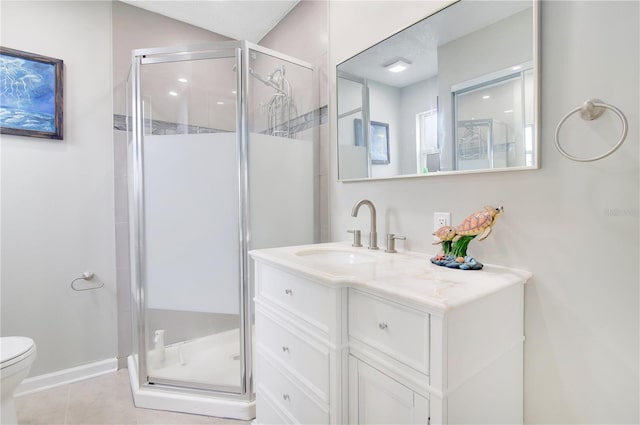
(210,360)
(213,359)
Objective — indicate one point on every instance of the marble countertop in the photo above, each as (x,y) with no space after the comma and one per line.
(405,276)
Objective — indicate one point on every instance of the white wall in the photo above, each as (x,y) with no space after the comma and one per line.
(302,34)
(574,225)
(57,196)
(416,98)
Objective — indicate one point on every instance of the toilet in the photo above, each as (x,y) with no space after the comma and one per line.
(18,353)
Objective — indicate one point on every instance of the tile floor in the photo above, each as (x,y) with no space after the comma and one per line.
(103,400)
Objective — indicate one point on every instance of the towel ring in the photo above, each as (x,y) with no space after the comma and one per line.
(86,276)
(590,110)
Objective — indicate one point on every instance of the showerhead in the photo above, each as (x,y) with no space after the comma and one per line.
(266,81)
(279,69)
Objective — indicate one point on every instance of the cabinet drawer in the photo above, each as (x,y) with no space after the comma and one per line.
(396,330)
(291,399)
(304,358)
(266,411)
(302,297)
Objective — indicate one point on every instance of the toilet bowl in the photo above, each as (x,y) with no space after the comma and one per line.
(17,354)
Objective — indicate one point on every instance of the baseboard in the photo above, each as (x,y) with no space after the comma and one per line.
(66,376)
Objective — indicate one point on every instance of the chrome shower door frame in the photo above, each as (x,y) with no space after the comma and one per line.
(241,50)
(230,49)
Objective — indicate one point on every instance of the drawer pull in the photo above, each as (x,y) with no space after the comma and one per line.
(288,291)
(382,325)
(286,397)
(285,349)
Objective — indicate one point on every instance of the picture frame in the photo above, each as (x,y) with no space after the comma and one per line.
(31,103)
(378,138)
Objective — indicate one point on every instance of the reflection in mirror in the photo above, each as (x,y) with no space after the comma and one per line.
(455,92)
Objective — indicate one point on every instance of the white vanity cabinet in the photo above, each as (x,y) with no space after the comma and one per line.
(371,343)
(299,346)
(389,361)
(465,364)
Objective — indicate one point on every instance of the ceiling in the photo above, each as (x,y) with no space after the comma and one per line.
(238,19)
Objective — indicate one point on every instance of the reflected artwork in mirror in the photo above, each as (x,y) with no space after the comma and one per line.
(455,92)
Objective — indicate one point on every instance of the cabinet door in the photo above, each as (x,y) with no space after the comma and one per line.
(375,398)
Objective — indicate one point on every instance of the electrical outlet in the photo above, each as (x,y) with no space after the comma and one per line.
(441,219)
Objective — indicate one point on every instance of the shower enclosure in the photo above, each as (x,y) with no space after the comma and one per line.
(222,161)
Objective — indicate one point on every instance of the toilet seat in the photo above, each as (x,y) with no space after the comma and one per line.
(14,349)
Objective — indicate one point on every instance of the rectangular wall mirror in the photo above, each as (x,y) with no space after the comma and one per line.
(455,92)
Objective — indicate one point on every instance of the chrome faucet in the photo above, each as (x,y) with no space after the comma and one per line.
(373,235)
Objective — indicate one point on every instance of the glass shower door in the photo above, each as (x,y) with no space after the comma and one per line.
(191,262)
(281,150)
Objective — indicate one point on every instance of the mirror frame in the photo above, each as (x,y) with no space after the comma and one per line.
(536,4)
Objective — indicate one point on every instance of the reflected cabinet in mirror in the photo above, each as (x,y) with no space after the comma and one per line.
(455,92)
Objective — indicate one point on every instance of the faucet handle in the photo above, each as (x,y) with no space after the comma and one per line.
(357,241)
(391,242)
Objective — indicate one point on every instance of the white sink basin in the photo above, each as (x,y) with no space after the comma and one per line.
(335,256)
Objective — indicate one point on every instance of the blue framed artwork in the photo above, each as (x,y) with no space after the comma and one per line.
(379,139)
(31,102)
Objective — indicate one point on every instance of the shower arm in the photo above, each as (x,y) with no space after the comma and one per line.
(266,82)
